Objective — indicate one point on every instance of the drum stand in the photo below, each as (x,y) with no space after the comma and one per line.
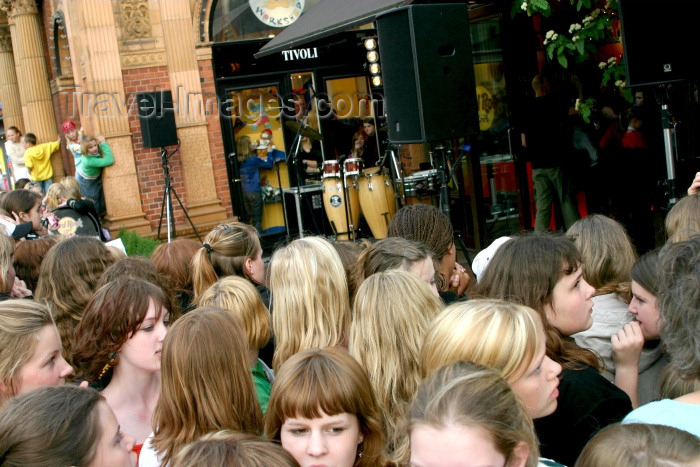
(396,175)
(348,209)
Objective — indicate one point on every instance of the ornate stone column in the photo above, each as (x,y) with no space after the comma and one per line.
(32,74)
(9,89)
(202,203)
(100,77)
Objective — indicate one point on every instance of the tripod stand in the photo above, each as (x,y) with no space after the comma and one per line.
(167,204)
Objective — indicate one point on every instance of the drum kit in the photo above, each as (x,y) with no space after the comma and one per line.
(349,190)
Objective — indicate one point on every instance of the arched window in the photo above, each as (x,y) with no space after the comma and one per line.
(235,20)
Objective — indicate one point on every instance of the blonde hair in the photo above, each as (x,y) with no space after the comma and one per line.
(496,333)
(53,196)
(392,312)
(309,298)
(244,148)
(21,321)
(57,191)
(7,249)
(683,219)
(241,298)
(326,380)
(640,445)
(229,246)
(607,252)
(206,386)
(470,394)
(85,142)
(227,447)
(72,186)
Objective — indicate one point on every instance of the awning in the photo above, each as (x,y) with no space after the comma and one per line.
(327,18)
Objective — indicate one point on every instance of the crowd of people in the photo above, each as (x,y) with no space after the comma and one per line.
(568,349)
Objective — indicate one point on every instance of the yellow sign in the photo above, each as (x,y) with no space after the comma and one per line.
(485,104)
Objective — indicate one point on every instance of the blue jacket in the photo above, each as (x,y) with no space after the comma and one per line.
(250,170)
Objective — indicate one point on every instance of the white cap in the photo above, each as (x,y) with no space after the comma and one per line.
(481,260)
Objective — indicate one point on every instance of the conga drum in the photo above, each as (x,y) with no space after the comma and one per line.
(377,200)
(335,204)
(331,169)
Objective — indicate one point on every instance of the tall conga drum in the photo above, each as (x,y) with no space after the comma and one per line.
(377,200)
(334,201)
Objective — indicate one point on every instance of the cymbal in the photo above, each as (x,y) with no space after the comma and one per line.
(304,130)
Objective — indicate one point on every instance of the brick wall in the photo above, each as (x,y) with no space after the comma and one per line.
(216,143)
(149,167)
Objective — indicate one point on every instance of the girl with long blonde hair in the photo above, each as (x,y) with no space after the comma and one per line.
(309,298)
(391,314)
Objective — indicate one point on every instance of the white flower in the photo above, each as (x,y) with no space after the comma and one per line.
(549,34)
(587,19)
(619,83)
(575,38)
(524,6)
(602,65)
(574,27)
(612,61)
(555,37)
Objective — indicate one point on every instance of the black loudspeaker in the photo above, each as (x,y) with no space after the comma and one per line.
(658,40)
(157,118)
(313,214)
(425,57)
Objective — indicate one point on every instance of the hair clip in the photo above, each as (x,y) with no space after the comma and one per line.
(207,247)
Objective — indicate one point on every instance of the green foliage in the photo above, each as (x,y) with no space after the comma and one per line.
(580,43)
(137,245)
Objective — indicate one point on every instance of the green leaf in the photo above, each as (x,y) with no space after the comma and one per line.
(563,61)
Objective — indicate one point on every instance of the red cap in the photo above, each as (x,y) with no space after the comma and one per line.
(68,125)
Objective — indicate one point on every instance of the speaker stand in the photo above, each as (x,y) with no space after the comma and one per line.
(167,204)
(670,157)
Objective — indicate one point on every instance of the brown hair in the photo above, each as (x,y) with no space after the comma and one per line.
(230,245)
(142,268)
(302,389)
(29,256)
(174,260)
(525,270)
(111,317)
(205,386)
(226,447)
(68,278)
(50,426)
